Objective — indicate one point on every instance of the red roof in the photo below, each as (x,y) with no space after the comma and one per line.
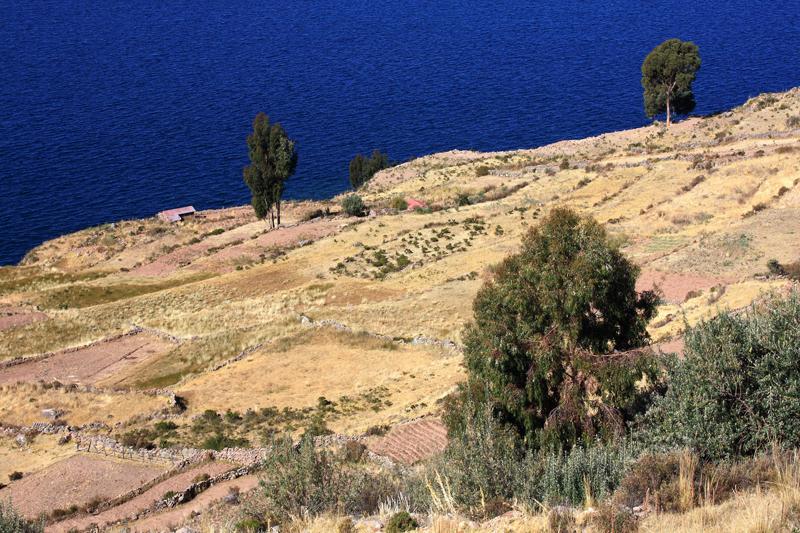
(414,204)
(174,215)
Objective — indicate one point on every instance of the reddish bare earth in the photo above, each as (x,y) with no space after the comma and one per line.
(136,505)
(11,317)
(412,442)
(675,287)
(169,520)
(77,480)
(90,364)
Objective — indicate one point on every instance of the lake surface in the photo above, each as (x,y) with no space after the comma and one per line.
(112,110)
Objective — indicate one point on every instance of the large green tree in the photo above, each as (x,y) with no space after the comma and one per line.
(667,75)
(553,345)
(273,158)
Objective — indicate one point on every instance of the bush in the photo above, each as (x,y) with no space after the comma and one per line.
(14,476)
(353,205)
(463,199)
(401,522)
(775,268)
(199,478)
(250,525)
(399,203)
(561,520)
(482,170)
(307,481)
(737,389)
(220,441)
(13,522)
(486,462)
(311,215)
(565,301)
(613,519)
(793,121)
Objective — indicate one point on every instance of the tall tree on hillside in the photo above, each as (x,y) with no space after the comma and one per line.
(273,158)
(553,345)
(667,75)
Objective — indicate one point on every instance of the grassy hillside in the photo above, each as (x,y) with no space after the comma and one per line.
(700,207)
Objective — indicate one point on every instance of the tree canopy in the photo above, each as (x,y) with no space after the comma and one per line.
(273,158)
(667,75)
(553,343)
(363,168)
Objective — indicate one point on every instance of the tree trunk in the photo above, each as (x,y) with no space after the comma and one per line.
(668,110)
(279,211)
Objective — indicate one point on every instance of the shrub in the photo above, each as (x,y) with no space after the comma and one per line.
(482,170)
(307,481)
(401,522)
(353,205)
(561,520)
(311,215)
(220,441)
(612,519)
(793,121)
(793,270)
(651,480)
(199,478)
(487,463)
(14,476)
(250,525)
(775,268)
(737,389)
(463,199)
(564,302)
(399,203)
(13,522)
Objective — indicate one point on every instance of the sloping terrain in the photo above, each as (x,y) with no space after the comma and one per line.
(356,322)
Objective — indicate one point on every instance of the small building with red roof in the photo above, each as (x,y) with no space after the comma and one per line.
(177,214)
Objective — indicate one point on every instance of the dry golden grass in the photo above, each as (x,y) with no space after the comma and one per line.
(37,455)
(406,379)
(22,405)
(714,197)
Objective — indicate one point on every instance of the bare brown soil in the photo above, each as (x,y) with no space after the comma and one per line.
(675,286)
(412,442)
(141,502)
(11,317)
(91,364)
(169,520)
(77,480)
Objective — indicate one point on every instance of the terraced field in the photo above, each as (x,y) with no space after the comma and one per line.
(355,322)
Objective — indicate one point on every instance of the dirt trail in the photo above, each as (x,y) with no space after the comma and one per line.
(169,520)
(141,502)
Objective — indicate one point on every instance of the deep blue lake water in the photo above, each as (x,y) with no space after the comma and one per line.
(112,109)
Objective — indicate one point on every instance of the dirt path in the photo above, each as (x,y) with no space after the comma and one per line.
(141,502)
(90,364)
(169,520)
